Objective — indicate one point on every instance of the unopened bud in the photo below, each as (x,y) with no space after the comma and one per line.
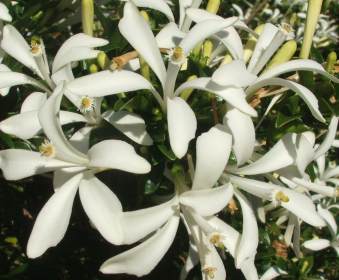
(87,11)
(284,54)
(93,68)
(213,6)
(103,60)
(185,94)
(331,61)
(250,45)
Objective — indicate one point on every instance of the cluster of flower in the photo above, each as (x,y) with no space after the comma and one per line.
(280,176)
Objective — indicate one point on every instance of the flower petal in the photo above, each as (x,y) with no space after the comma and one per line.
(139,34)
(76,42)
(10,79)
(317,244)
(138,224)
(80,139)
(116,154)
(17,164)
(33,102)
(158,5)
(130,124)
(207,202)
(233,74)
(250,237)
(169,36)
(52,222)
(329,219)
(304,93)
(243,133)
(102,207)
(16,46)
(324,190)
(213,150)
(182,125)
(4,13)
(141,259)
(50,123)
(272,273)
(330,136)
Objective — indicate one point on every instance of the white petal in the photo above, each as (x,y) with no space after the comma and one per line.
(107,83)
(272,273)
(231,39)
(249,270)
(243,133)
(233,74)
(282,154)
(62,175)
(331,172)
(53,219)
(17,164)
(250,237)
(304,93)
(50,123)
(10,79)
(213,150)
(207,202)
(116,154)
(71,117)
(33,102)
(182,125)
(234,96)
(297,65)
(139,34)
(130,124)
(138,224)
(78,41)
(141,259)
(203,30)
(324,190)
(305,152)
(15,45)
(102,207)
(158,5)
(307,212)
(330,136)
(169,36)
(335,143)
(329,219)
(317,244)
(80,139)
(4,13)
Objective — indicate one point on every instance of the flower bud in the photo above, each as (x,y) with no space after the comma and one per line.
(87,10)
(331,61)
(313,11)
(207,49)
(213,6)
(103,60)
(284,54)
(93,68)
(250,45)
(187,92)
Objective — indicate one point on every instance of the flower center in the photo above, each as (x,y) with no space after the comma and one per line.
(35,47)
(47,149)
(287,29)
(177,55)
(87,104)
(209,271)
(216,240)
(281,197)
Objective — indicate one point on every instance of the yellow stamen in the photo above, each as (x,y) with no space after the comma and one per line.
(216,240)
(280,196)
(209,271)
(178,54)
(87,104)
(35,47)
(47,149)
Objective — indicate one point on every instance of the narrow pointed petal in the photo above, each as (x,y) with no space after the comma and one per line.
(116,154)
(158,5)
(17,164)
(243,133)
(329,219)
(233,74)
(80,139)
(305,152)
(62,175)
(130,124)
(10,79)
(304,93)
(191,261)
(102,207)
(321,162)
(282,154)
(331,172)
(4,13)
(272,272)
(78,41)
(53,219)
(33,102)
(207,202)
(107,83)
(182,125)
(142,259)
(138,224)
(50,123)
(297,65)
(324,190)
(15,45)
(138,33)
(317,244)
(328,141)
(213,150)
(250,237)
(169,36)
(234,96)
(203,30)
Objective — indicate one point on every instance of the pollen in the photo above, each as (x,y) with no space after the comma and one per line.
(35,47)
(47,149)
(280,196)
(209,271)
(87,104)
(216,240)
(177,55)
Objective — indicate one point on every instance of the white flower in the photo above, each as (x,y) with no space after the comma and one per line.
(74,170)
